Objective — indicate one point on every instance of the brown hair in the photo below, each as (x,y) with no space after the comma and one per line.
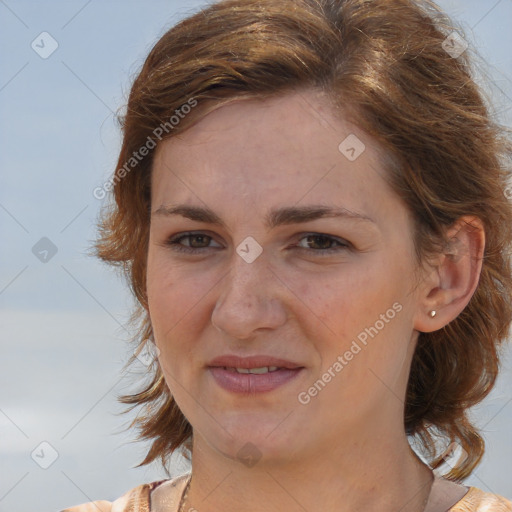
(447,158)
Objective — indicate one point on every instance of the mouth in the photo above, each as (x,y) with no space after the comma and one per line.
(258,363)
(255,374)
(257,371)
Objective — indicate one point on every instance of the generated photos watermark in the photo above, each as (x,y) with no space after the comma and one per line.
(304,397)
(137,156)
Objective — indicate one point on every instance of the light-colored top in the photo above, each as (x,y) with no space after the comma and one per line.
(142,498)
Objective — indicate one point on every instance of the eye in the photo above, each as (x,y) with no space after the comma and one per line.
(315,242)
(325,242)
(203,240)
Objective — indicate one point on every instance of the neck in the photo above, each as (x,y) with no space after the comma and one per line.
(373,474)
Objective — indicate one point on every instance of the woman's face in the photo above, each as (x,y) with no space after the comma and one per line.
(329,296)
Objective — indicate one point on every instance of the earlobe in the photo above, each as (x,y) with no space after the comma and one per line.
(447,289)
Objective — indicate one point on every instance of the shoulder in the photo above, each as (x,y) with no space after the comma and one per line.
(135,499)
(477,500)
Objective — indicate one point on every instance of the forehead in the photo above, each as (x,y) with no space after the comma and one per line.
(284,149)
(296,114)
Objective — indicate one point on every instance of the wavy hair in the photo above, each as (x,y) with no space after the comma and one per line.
(445,157)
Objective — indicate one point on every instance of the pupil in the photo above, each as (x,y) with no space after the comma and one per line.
(198,237)
(318,238)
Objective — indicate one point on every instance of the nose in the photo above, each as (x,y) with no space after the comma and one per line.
(250,299)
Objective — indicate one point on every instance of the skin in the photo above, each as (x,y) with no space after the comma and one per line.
(346,449)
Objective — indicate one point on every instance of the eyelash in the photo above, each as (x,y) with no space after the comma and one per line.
(174,243)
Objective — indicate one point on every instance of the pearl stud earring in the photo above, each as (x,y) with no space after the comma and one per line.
(432,313)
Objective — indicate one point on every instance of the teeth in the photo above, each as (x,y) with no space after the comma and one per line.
(263,369)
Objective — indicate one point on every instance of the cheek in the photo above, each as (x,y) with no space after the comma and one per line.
(168,305)
(363,304)
(176,301)
(346,297)
(166,300)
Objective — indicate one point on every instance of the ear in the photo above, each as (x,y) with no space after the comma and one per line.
(452,279)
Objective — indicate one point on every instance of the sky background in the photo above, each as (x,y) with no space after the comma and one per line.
(62,321)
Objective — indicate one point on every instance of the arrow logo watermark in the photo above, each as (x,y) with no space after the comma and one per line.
(249,249)
(44,250)
(249,455)
(44,45)
(455,45)
(352,147)
(44,455)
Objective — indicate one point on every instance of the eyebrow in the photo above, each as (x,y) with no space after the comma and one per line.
(275,217)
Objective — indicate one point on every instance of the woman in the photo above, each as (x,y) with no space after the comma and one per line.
(310,205)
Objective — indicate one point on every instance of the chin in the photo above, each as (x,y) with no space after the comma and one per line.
(252,440)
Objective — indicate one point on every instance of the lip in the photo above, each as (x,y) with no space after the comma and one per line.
(251,383)
(257,361)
